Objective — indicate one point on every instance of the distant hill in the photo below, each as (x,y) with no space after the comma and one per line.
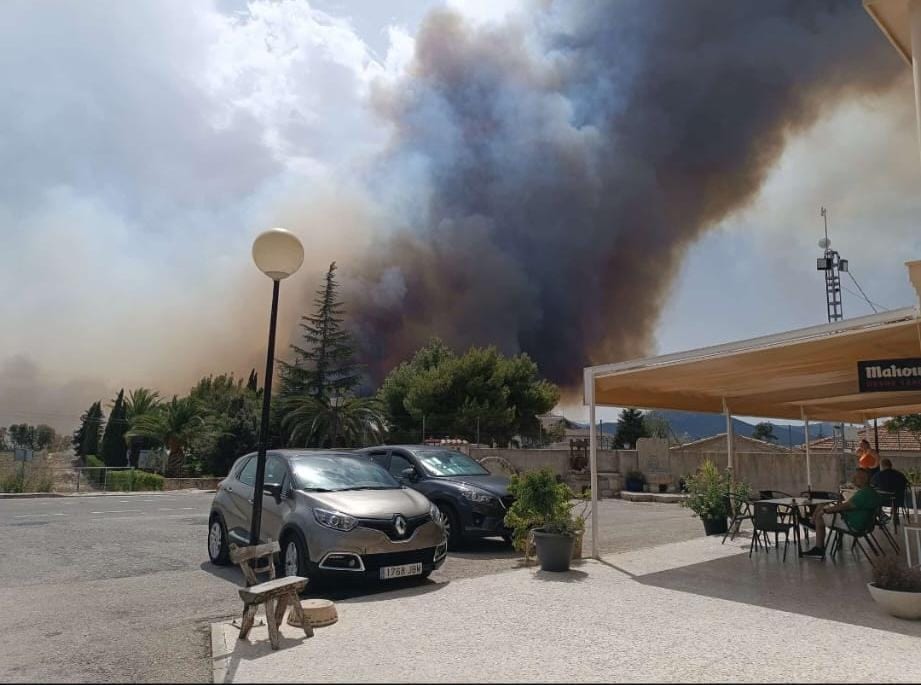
(687,426)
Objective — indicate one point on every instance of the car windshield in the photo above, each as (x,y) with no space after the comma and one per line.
(333,472)
(449,463)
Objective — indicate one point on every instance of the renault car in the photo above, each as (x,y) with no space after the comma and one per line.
(333,513)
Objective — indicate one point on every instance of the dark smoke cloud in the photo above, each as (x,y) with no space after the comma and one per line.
(553,170)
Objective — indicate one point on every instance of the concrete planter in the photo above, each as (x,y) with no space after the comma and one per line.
(897,603)
(554,552)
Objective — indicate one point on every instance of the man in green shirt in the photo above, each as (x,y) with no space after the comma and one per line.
(855,514)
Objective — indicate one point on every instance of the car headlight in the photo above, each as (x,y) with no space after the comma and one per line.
(476,495)
(435,513)
(335,520)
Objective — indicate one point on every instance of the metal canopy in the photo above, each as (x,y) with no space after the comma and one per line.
(892,18)
(811,371)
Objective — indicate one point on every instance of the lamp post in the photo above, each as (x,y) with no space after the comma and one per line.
(278,254)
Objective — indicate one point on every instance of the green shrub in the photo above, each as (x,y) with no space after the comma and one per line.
(11,482)
(131,480)
(707,490)
(95,473)
(541,501)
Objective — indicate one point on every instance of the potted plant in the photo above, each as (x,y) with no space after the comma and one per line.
(542,512)
(896,588)
(707,490)
(634,481)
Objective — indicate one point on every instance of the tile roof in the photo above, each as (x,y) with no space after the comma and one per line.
(898,441)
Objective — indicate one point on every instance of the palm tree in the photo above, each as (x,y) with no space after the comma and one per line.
(333,422)
(173,424)
(139,402)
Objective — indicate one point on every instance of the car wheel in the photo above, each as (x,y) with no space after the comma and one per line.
(293,555)
(218,551)
(451,523)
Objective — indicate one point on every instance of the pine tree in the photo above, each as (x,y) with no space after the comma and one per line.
(630,428)
(90,429)
(114,450)
(325,366)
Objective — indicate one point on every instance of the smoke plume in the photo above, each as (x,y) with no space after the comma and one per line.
(550,171)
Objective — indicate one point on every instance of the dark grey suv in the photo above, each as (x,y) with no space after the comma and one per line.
(472,501)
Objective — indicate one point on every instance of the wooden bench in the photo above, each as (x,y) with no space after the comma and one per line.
(275,593)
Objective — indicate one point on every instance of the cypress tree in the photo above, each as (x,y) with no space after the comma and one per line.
(91,429)
(114,449)
(325,366)
(253,383)
(630,428)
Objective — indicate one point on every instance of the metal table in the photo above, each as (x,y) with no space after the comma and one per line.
(795,504)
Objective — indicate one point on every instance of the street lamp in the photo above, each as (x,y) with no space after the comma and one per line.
(278,254)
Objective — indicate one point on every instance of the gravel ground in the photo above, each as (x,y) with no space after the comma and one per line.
(118,588)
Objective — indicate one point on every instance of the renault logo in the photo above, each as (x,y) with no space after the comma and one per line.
(399,523)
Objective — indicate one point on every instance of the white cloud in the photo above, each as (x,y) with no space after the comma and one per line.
(144,145)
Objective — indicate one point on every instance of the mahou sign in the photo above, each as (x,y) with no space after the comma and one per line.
(889,374)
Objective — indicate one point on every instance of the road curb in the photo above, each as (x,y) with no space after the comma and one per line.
(37,495)
(219,653)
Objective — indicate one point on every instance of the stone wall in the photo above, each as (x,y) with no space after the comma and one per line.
(783,470)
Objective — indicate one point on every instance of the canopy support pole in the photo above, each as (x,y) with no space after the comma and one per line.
(808,456)
(592,456)
(730,455)
(730,442)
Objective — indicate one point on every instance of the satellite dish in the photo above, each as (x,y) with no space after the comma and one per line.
(825,243)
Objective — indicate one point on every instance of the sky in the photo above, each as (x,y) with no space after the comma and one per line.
(147,143)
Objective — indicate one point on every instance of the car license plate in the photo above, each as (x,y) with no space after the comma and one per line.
(401,571)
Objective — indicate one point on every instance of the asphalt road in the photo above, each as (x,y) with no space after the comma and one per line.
(119,587)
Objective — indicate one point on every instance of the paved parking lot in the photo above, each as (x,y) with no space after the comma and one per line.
(118,587)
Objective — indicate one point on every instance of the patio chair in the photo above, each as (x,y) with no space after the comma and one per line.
(772,494)
(840,528)
(822,494)
(742,511)
(883,519)
(770,518)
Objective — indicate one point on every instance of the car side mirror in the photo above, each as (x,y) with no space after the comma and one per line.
(410,474)
(273,489)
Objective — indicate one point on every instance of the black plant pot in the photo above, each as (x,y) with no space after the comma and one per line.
(633,485)
(717,526)
(554,552)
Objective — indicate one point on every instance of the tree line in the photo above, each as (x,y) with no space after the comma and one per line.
(324,400)
(38,437)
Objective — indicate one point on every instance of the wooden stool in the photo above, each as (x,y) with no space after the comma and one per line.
(275,593)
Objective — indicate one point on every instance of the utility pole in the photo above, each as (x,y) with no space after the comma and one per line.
(423,429)
(478,430)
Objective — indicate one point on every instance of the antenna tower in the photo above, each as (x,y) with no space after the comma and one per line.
(833,266)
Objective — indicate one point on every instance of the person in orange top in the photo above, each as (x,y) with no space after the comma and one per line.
(867,458)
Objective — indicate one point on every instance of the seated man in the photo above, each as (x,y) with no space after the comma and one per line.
(857,512)
(891,480)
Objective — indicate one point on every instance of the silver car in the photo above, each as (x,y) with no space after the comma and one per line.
(333,513)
